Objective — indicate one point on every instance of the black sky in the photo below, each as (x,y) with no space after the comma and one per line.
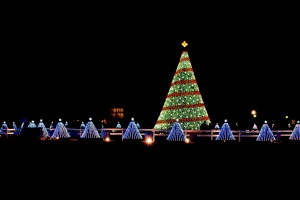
(74,64)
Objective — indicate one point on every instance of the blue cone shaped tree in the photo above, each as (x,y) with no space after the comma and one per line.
(51,125)
(225,132)
(82,125)
(4,126)
(176,133)
(90,130)
(118,125)
(15,126)
(45,133)
(132,132)
(265,133)
(295,135)
(60,131)
(22,125)
(32,124)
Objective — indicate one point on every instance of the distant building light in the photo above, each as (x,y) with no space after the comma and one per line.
(253,112)
(117,113)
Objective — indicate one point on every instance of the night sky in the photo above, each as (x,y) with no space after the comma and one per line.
(68,64)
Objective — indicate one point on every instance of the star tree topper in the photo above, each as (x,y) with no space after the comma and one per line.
(184,43)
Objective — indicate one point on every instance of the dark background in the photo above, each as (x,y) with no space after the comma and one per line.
(78,61)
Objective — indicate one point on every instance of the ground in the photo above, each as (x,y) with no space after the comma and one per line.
(163,168)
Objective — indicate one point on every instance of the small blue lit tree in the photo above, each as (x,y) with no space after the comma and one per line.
(103,134)
(51,129)
(138,125)
(217,127)
(60,131)
(132,132)
(4,126)
(45,133)
(15,126)
(176,133)
(32,124)
(51,125)
(118,125)
(265,133)
(225,132)
(295,135)
(254,127)
(82,125)
(22,126)
(90,130)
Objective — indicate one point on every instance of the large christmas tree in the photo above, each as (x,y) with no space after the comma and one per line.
(184,100)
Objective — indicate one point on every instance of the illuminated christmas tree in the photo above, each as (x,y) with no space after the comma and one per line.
(254,128)
(132,131)
(22,125)
(217,127)
(82,125)
(118,125)
(296,132)
(15,126)
(45,133)
(225,132)
(265,133)
(32,124)
(4,126)
(60,131)
(176,133)
(90,130)
(138,125)
(51,125)
(184,100)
